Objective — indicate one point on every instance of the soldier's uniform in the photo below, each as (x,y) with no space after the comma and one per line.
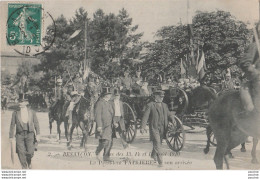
(250,87)
(79,85)
(59,99)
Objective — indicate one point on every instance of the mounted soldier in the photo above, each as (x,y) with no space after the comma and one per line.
(58,98)
(250,64)
(78,84)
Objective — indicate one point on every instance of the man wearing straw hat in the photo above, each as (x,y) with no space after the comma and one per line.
(26,122)
(157,113)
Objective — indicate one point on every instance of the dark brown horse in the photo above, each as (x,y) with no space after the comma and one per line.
(81,116)
(57,113)
(228,120)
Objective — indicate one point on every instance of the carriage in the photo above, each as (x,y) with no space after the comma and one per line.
(133,110)
(183,104)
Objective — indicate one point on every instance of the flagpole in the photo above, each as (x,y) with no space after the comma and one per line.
(85,34)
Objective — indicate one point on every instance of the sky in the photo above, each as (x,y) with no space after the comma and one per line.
(150,15)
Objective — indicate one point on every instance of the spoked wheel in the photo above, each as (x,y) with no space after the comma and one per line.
(130,123)
(212,139)
(175,136)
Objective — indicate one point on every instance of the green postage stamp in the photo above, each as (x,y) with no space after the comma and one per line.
(24,24)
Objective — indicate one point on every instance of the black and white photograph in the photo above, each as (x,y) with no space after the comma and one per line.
(130,85)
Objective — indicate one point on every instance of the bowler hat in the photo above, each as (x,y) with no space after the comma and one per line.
(22,97)
(116,92)
(158,92)
(106,90)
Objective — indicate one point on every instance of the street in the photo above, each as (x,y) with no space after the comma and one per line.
(54,156)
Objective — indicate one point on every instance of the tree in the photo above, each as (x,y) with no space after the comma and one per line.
(112,44)
(222,38)
(6,78)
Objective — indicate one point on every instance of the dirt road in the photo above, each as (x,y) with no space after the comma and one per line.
(53,156)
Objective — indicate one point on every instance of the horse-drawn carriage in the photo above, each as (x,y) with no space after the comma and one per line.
(190,109)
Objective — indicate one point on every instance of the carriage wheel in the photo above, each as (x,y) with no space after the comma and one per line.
(175,135)
(130,123)
(212,139)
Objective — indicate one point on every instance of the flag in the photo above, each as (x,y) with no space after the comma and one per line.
(86,73)
(201,62)
(197,59)
(201,73)
(183,70)
(201,66)
(75,34)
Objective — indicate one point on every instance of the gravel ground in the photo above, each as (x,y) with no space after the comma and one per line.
(54,156)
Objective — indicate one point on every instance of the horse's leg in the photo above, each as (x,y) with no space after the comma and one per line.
(58,130)
(253,152)
(71,133)
(50,121)
(78,136)
(208,132)
(66,125)
(223,138)
(243,147)
(229,153)
(50,126)
(84,129)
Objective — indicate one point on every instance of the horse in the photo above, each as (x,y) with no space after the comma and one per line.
(58,115)
(201,97)
(243,148)
(82,115)
(223,117)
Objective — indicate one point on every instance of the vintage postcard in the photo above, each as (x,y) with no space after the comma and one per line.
(130,84)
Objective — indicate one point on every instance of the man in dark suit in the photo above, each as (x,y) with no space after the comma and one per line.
(104,117)
(26,122)
(157,113)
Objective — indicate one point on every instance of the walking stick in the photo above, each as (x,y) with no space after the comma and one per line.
(12,153)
